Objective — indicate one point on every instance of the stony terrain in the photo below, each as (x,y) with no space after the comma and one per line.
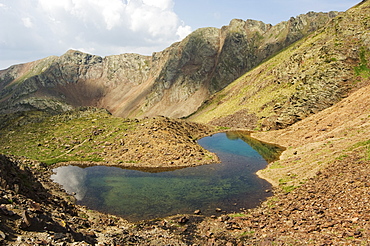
(326,168)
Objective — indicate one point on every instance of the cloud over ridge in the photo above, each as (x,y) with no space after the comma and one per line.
(99,27)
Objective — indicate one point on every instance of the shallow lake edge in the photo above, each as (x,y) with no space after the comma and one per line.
(166,167)
(150,168)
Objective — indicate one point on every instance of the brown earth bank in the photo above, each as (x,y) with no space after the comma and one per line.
(158,142)
(316,141)
(91,136)
(328,204)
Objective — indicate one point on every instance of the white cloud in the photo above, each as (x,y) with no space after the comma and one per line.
(161,4)
(95,12)
(27,22)
(40,28)
(183,31)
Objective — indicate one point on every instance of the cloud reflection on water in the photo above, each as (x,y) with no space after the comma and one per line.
(72,179)
(138,195)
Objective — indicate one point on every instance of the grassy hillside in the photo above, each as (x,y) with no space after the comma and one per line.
(91,135)
(67,137)
(320,139)
(307,77)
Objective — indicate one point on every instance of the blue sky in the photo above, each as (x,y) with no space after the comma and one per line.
(34,29)
(200,13)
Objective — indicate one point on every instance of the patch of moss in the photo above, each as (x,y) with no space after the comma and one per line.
(365,144)
(237,215)
(363,69)
(275,165)
(288,188)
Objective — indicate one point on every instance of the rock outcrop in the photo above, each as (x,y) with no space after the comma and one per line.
(174,82)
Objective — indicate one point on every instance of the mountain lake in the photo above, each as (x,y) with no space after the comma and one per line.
(231,185)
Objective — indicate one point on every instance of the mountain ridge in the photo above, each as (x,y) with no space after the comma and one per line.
(173,82)
(321,181)
(312,74)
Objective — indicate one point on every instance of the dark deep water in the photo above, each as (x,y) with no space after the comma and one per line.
(137,195)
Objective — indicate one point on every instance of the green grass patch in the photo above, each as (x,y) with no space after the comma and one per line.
(271,202)
(365,144)
(247,233)
(276,165)
(283,184)
(74,136)
(288,188)
(363,69)
(237,215)
(341,157)
(222,128)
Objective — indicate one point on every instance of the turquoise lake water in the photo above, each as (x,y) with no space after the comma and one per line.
(137,195)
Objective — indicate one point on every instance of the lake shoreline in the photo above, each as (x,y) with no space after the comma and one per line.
(230,184)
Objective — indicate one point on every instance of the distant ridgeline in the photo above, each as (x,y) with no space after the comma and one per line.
(173,83)
(309,76)
(247,75)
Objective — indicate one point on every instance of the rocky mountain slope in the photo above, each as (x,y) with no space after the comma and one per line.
(174,82)
(329,206)
(311,75)
(322,178)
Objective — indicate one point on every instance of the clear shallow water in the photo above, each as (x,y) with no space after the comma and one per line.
(138,195)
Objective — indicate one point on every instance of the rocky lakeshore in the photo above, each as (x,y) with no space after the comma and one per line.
(330,209)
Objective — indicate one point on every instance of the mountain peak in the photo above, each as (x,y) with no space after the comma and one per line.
(174,82)
(310,76)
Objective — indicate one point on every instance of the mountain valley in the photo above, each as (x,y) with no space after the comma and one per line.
(303,84)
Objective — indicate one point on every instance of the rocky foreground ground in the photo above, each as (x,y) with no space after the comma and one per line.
(321,197)
(330,209)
